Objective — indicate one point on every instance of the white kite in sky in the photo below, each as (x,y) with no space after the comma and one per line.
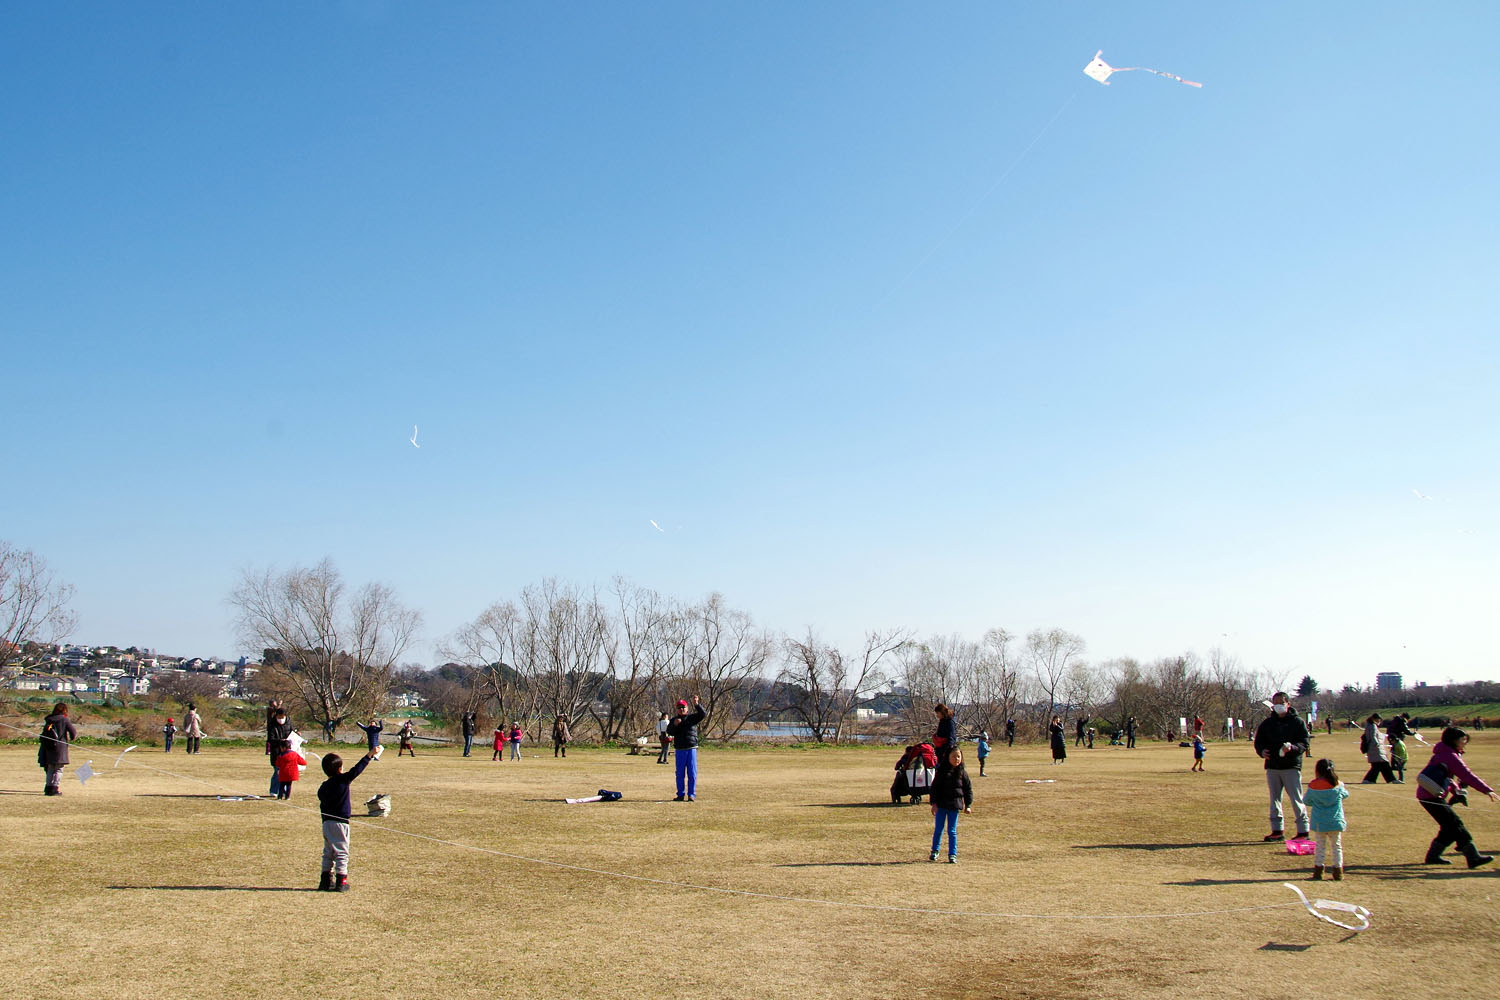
(1100,70)
(414,436)
(657,526)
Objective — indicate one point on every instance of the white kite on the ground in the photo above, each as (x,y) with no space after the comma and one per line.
(85,772)
(1100,70)
(1315,907)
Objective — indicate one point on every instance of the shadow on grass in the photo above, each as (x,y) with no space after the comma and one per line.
(220,888)
(195,795)
(848,864)
(1288,876)
(857,805)
(1167,847)
(16,791)
(1273,946)
(1428,873)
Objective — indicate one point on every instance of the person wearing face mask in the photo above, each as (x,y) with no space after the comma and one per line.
(1281,740)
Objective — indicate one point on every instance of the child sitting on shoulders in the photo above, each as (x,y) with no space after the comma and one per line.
(1325,797)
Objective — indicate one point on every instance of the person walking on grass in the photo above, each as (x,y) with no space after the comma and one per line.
(951,791)
(1059,741)
(403,736)
(515,741)
(167,732)
(499,753)
(1010,732)
(982,751)
(1440,787)
(1200,749)
(1325,797)
(52,754)
(1372,744)
(1281,739)
(683,732)
(560,736)
(334,808)
(1130,734)
(192,728)
(663,738)
(1078,727)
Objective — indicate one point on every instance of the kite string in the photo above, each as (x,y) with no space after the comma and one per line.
(974,207)
(722,890)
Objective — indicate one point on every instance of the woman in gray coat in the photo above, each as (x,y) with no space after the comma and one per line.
(1375,752)
(52,755)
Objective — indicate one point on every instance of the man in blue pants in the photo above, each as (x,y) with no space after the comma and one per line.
(684,732)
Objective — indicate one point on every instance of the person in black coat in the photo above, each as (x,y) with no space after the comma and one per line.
(1130,733)
(467,723)
(1059,741)
(1010,732)
(946,737)
(951,791)
(52,755)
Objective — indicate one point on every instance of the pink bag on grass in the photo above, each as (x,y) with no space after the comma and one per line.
(1300,845)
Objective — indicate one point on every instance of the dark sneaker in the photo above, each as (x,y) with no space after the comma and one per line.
(1274,835)
(932,856)
(692,799)
(343,884)
(677,798)
(953,859)
(1480,859)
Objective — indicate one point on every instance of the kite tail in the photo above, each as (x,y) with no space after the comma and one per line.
(1169,76)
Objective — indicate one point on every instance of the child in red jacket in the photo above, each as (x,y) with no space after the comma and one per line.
(289,768)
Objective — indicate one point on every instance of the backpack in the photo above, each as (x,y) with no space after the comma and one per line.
(1434,779)
(1364,743)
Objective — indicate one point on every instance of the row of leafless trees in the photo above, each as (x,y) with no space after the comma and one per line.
(612,660)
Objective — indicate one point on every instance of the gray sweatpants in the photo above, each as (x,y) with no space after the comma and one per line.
(336,846)
(1287,780)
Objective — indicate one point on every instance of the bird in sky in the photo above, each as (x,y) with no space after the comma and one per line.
(414,436)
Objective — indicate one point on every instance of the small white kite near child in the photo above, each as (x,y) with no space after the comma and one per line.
(1100,70)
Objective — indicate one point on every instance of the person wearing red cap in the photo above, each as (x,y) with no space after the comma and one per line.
(683,729)
(167,732)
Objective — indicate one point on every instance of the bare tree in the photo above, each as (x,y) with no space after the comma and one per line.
(33,607)
(994,687)
(1050,653)
(481,647)
(723,652)
(651,634)
(336,650)
(823,686)
(568,649)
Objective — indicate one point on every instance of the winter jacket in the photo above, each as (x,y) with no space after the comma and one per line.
(1397,729)
(684,728)
(333,794)
(1276,730)
(946,737)
(57,733)
(1326,802)
(1459,775)
(1375,751)
(192,725)
(951,788)
(287,765)
(499,738)
(468,724)
(560,732)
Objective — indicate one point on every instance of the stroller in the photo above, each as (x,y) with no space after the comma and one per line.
(914,773)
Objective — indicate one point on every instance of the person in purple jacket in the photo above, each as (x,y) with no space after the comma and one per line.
(1439,787)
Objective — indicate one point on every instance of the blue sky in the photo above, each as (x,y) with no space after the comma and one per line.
(885,312)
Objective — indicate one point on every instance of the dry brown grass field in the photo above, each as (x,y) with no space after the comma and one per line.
(144,884)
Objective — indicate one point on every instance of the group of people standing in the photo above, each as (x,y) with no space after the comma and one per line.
(1283,740)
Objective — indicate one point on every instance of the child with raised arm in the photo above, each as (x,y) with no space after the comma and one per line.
(334,806)
(1325,797)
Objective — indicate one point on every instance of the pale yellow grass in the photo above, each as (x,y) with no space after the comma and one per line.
(142,884)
